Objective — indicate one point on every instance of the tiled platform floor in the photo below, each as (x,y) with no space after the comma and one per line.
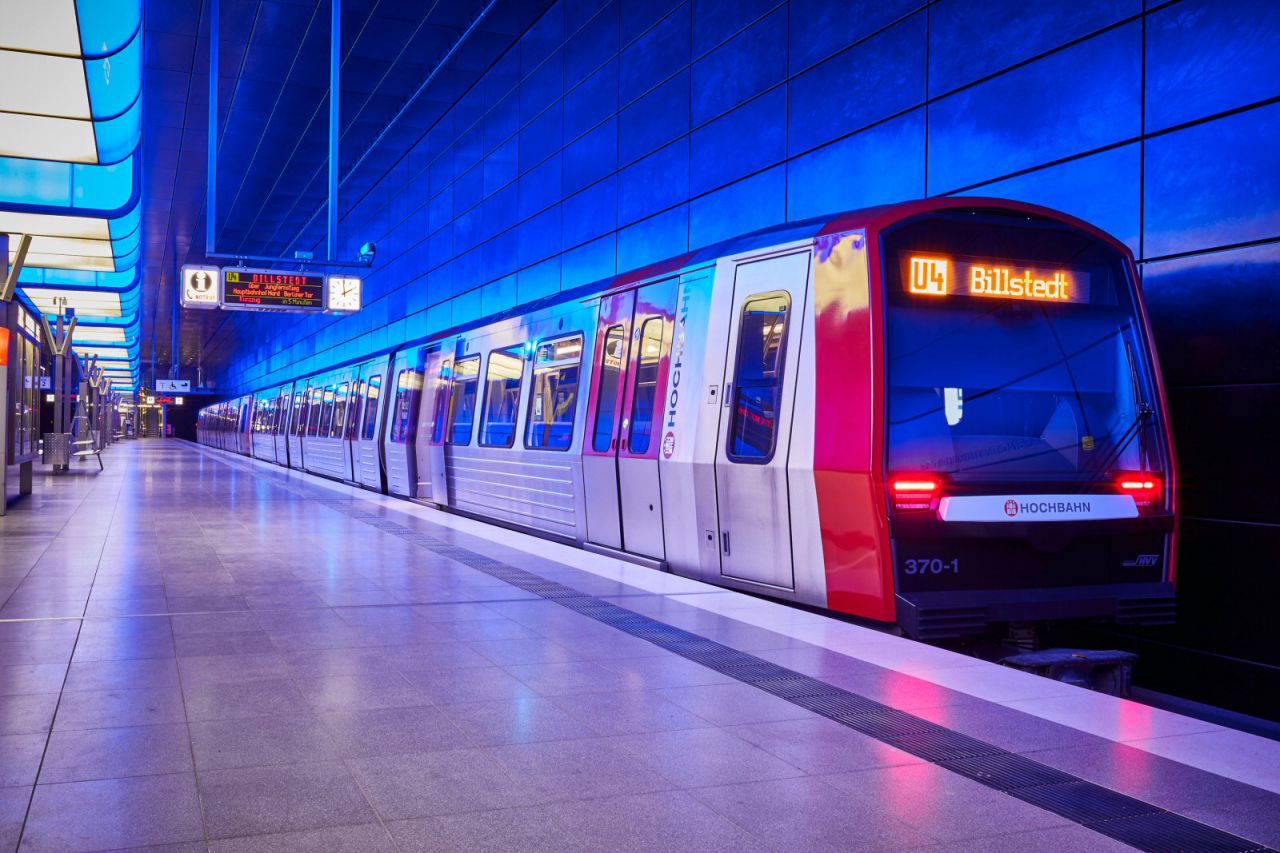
(204,653)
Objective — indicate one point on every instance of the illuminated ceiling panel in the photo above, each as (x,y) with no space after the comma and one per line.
(98,335)
(48,26)
(42,85)
(56,139)
(51,225)
(89,302)
(106,355)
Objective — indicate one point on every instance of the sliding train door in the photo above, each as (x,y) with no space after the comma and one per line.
(753,498)
(622,437)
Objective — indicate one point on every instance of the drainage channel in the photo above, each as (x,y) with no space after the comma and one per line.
(1115,815)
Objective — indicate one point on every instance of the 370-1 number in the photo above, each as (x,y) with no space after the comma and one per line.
(931,566)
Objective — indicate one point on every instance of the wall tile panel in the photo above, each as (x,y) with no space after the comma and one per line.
(740,142)
(1207,56)
(879,165)
(1214,184)
(968,41)
(864,84)
(1070,102)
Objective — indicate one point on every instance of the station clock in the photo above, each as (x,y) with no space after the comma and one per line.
(344,294)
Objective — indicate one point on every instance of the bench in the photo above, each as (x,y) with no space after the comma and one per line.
(86,448)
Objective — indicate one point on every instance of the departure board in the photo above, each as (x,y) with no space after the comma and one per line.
(271,290)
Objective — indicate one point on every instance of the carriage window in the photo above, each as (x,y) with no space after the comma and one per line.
(502,397)
(357,406)
(313,420)
(615,344)
(440,408)
(648,361)
(462,399)
(555,394)
(757,378)
(299,413)
(373,395)
(326,413)
(340,410)
(408,389)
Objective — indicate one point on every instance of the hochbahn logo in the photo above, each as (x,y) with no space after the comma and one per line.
(1013,508)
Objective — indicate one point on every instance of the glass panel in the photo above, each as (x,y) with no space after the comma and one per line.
(357,406)
(313,421)
(408,388)
(440,409)
(340,410)
(462,399)
(326,416)
(372,397)
(648,362)
(300,408)
(757,378)
(615,350)
(556,369)
(502,397)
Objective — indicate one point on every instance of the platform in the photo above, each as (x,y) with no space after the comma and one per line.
(204,651)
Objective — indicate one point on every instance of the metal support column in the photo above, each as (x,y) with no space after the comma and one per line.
(335,62)
(211,186)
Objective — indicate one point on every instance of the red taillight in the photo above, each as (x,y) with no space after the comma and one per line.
(1145,488)
(914,492)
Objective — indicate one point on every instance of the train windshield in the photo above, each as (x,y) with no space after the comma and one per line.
(1014,353)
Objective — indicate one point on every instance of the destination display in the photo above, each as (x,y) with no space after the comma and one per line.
(267,290)
(992,279)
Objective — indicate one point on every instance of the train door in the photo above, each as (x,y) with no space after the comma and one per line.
(355,405)
(402,422)
(429,442)
(620,454)
(755,422)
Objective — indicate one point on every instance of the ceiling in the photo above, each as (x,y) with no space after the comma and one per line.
(273,140)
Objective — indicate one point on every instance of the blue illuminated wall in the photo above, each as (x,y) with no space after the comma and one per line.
(615,134)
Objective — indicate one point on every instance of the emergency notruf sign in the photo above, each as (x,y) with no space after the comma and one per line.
(200,287)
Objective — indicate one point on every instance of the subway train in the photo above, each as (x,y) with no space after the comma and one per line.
(945,414)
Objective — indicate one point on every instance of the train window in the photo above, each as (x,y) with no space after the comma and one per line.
(462,399)
(326,412)
(502,397)
(300,408)
(282,411)
(353,414)
(556,368)
(340,410)
(440,408)
(313,420)
(615,348)
(648,361)
(757,378)
(372,395)
(408,388)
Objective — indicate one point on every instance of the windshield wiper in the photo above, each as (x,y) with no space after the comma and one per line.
(1134,429)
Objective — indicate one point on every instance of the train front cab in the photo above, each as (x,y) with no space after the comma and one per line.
(1028,464)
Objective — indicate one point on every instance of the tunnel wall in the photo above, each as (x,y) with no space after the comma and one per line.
(615,134)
